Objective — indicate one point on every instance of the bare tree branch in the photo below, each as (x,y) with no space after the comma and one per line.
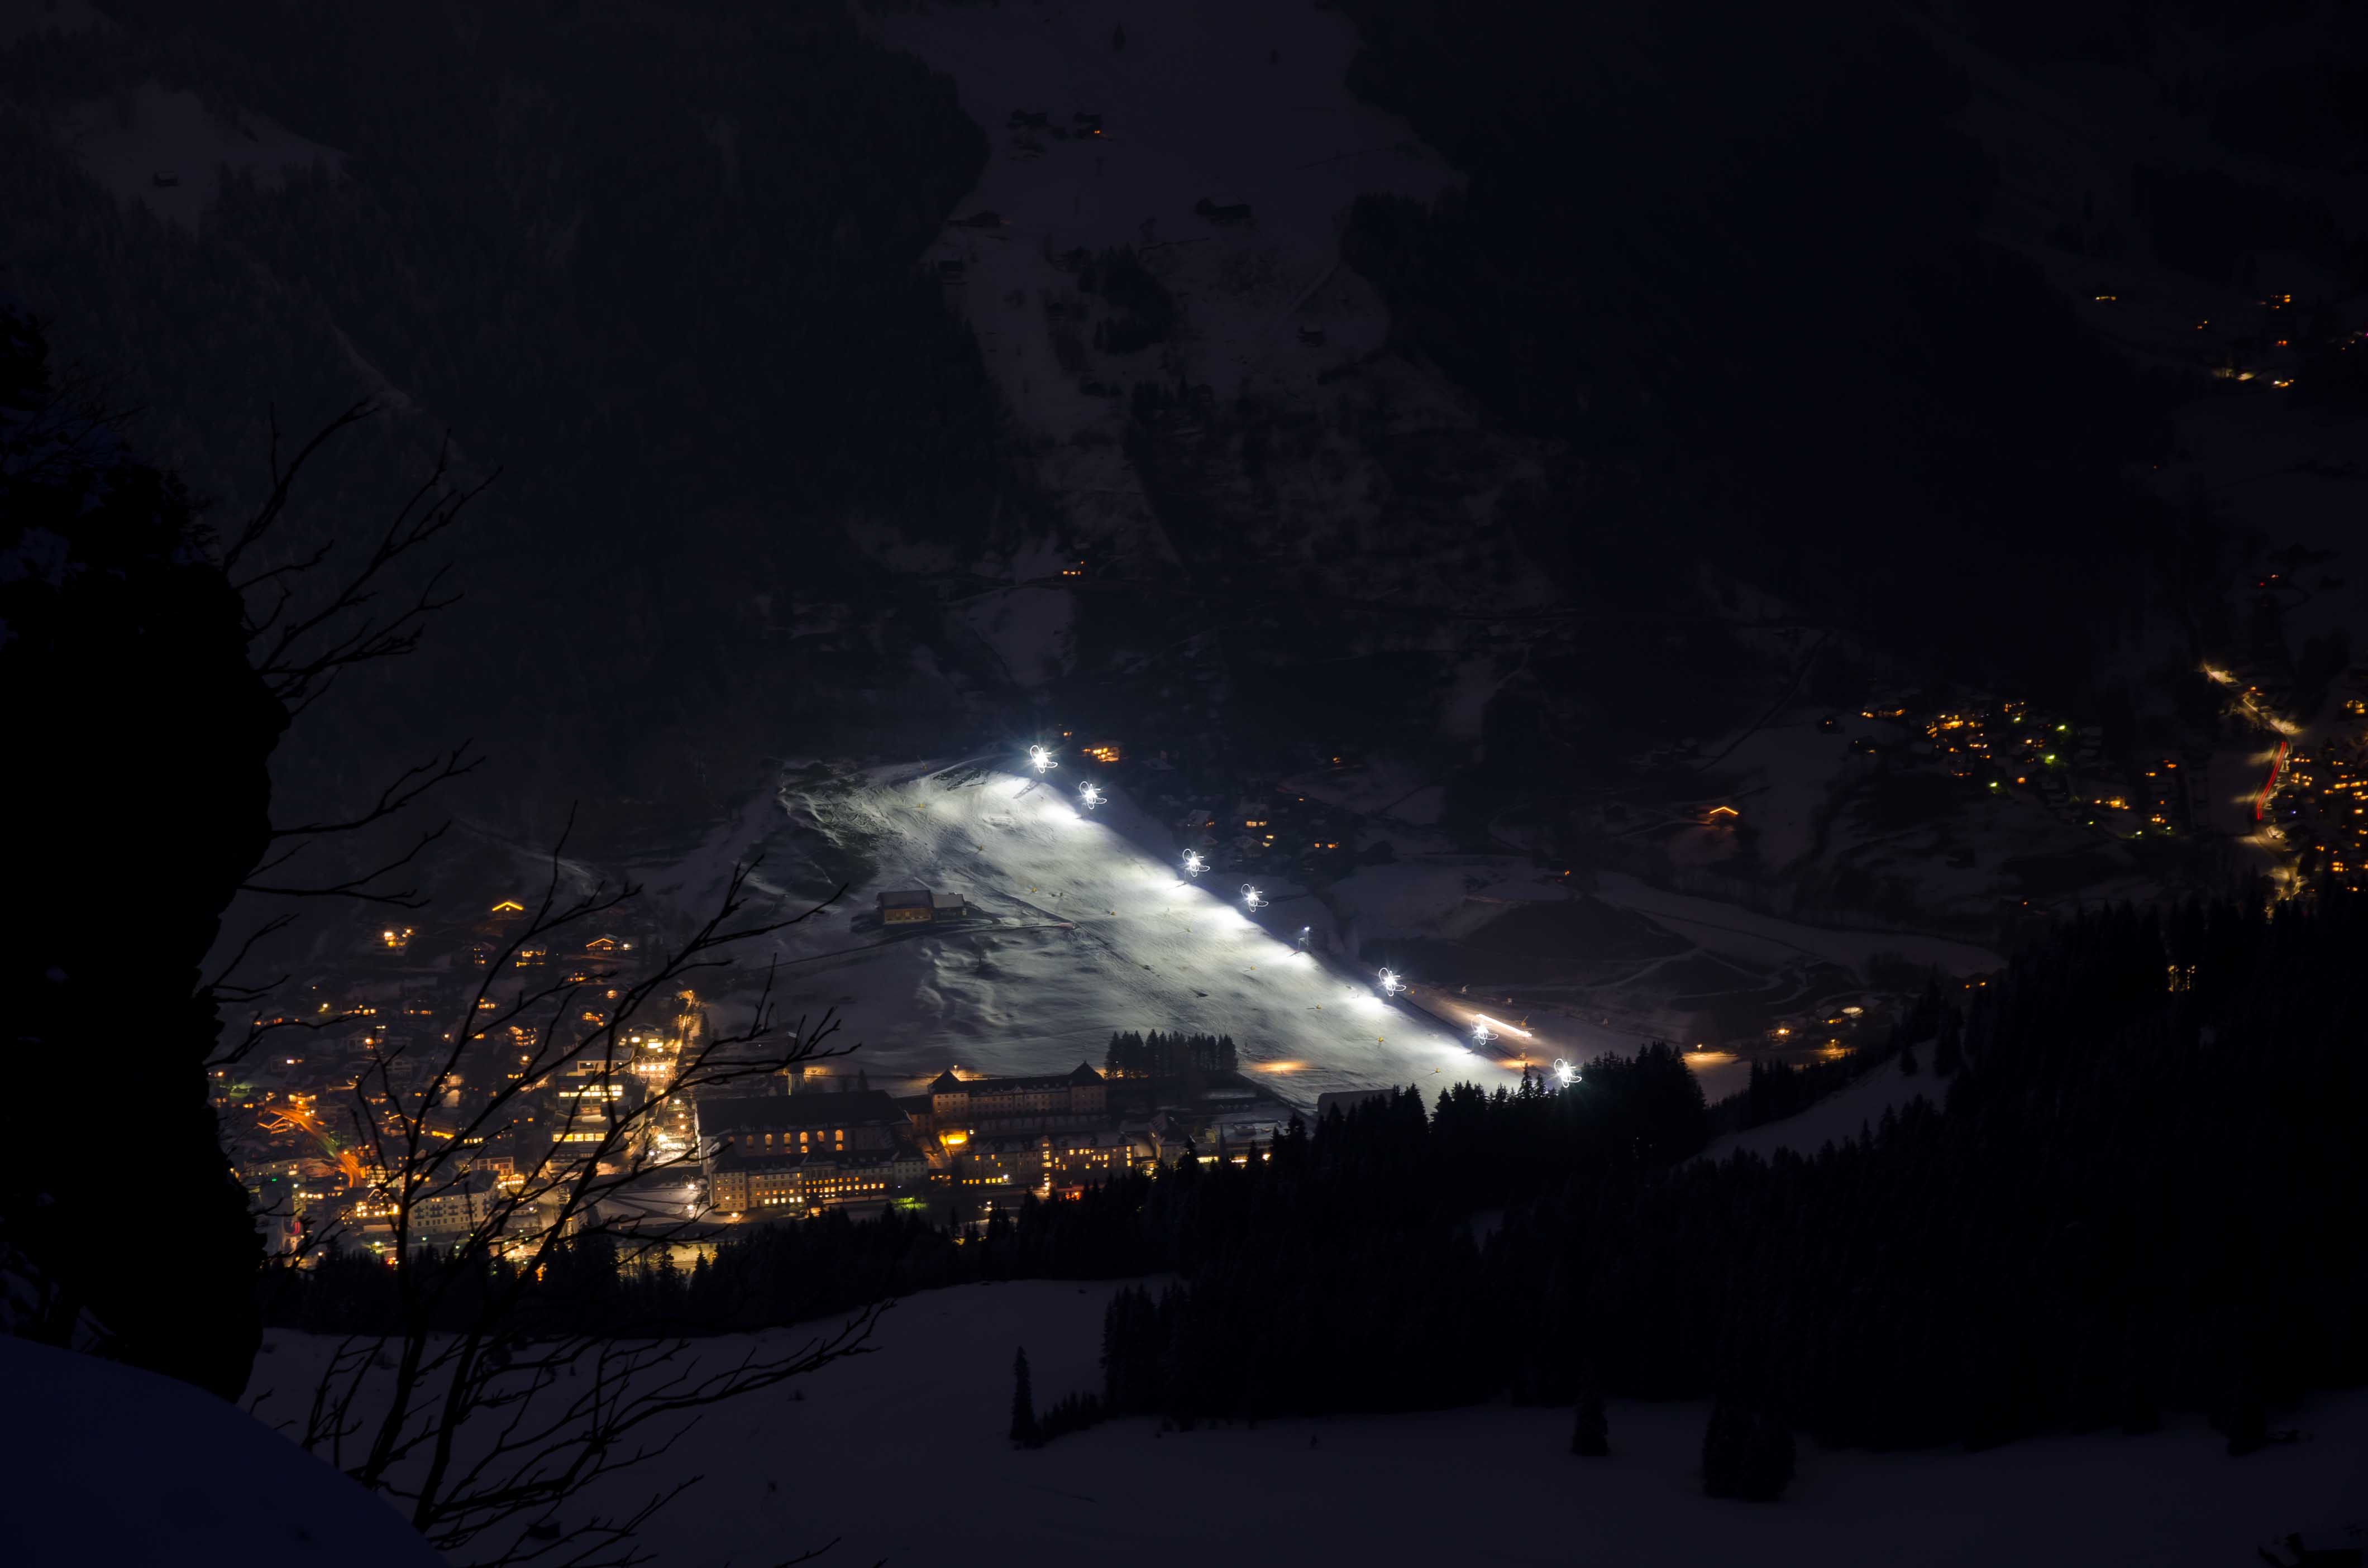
(486,1423)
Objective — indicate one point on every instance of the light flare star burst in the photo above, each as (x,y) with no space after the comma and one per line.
(1089,796)
(1251,898)
(1565,1075)
(1042,759)
(1193,864)
(1391,983)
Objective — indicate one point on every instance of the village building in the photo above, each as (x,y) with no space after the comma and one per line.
(798,1153)
(786,1185)
(1077,1098)
(857,1121)
(1044,1162)
(920,906)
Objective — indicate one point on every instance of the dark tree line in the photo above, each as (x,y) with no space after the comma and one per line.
(2134,1200)
(1156,1055)
(1142,313)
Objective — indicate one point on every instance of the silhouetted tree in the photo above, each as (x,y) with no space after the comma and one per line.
(1023,1404)
(1746,1453)
(1590,1436)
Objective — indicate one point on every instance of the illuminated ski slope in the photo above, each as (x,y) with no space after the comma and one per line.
(1078,930)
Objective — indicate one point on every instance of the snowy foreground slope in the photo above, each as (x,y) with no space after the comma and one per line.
(902,1455)
(1080,929)
(103,1463)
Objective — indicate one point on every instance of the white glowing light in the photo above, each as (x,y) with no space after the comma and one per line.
(1041,758)
(1564,1073)
(1391,983)
(1088,797)
(1481,1033)
(1193,864)
(1252,898)
(1498,1026)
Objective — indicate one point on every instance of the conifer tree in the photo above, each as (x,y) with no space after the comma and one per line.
(1721,1453)
(1023,1405)
(1948,1053)
(1589,1438)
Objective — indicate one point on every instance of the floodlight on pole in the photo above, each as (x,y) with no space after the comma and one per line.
(1041,758)
(1252,898)
(1193,864)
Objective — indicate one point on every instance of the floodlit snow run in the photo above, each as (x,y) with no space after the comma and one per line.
(1079,929)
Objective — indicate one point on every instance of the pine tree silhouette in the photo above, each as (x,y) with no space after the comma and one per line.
(1023,1405)
(1589,1436)
(1747,1454)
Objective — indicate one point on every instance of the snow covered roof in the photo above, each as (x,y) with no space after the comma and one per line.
(946,1083)
(776,1113)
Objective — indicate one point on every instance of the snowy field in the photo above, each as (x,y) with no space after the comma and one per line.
(106,1464)
(902,1455)
(1080,930)
(1849,1112)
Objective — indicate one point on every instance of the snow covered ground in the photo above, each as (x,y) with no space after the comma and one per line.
(902,1455)
(1081,930)
(1841,1116)
(1219,145)
(1082,925)
(1232,102)
(106,1464)
(1741,933)
(168,152)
